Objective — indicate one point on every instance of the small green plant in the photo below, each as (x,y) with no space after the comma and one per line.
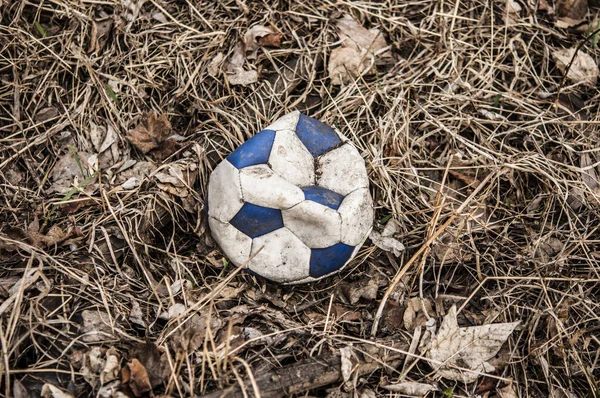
(40,29)
(386,219)
(449,392)
(112,95)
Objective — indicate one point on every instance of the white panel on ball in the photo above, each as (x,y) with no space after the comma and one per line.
(286,122)
(262,187)
(283,258)
(235,243)
(357,216)
(316,225)
(342,170)
(224,192)
(290,158)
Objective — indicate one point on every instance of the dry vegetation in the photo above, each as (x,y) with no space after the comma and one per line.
(113,113)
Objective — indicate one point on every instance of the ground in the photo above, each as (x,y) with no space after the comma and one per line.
(480,133)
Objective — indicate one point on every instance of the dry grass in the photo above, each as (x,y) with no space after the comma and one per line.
(466,94)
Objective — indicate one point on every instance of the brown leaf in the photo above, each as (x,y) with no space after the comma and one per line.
(583,67)
(137,378)
(151,132)
(258,36)
(346,64)
(19,390)
(571,13)
(154,362)
(355,35)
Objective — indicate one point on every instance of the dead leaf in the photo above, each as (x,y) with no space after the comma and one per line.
(508,391)
(570,13)
(190,336)
(110,371)
(355,35)
(418,311)
(364,288)
(346,363)
(346,64)
(589,174)
(19,390)
(236,75)
(361,50)
(583,69)
(214,67)
(466,347)
(101,29)
(136,377)
(46,114)
(152,131)
(385,240)
(512,12)
(51,391)
(259,36)
(449,248)
(149,367)
(411,388)
(67,173)
(96,326)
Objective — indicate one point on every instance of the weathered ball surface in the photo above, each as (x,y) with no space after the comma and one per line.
(299,190)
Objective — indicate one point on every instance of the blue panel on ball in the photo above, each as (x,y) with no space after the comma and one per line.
(255,220)
(330,259)
(254,151)
(316,136)
(323,196)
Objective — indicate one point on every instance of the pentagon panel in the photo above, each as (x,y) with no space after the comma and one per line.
(316,225)
(342,170)
(262,187)
(330,259)
(224,192)
(286,122)
(254,151)
(255,220)
(323,196)
(235,244)
(283,258)
(316,136)
(357,216)
(291,160)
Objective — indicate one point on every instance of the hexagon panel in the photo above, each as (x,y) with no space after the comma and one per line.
(291,160)
(283,258)
(254,151)
(255,220)
(316,225)
(330,259)
(232,241)
(224,190)
(357,216)
(261,186)
(342,170)
(316,136)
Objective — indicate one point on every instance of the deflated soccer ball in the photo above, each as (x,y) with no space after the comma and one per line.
(297,191)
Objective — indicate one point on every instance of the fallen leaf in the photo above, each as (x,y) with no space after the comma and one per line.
(570,13)
(67,173)
(136,377)
(346,64)
(236,75)
(355,35)
(51,391)
(508,391)
(96,326)
(512,11)
(418,311)
(91,364)
(361,50)
(364,288)
(466,347)
(110,371)
(19,390)
(385,240)
(450,249)
(152,131)
(214,67)
(411,388)
(148,367)
(190,336)
(346,363)
(583,69)
(46,114)
(589,174)
(101,29)
(258,36)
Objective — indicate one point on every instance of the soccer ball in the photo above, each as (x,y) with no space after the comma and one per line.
(291,204)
